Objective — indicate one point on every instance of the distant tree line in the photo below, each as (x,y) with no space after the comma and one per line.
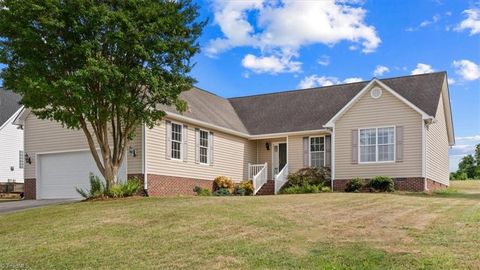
(469,167)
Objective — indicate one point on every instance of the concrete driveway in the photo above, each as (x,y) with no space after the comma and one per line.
(13,206)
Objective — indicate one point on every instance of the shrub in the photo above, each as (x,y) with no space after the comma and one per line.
(325,189)
(202,191)
(354,185)
(240,191)
(223,182)
(97,188)
(458,176)
(311,175)
(222,192)
(300,189)
(247,185)
(381,184)
(127,189)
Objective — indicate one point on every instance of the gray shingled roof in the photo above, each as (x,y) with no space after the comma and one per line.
(9,104)
(310,109)
(210,108)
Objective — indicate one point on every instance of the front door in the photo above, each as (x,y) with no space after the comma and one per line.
(279,157)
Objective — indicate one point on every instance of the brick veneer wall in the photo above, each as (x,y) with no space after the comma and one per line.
(415,184)
(161,185)
(30,188)
(432,185)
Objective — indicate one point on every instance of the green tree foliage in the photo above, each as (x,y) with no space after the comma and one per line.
(469,167)
(101,66)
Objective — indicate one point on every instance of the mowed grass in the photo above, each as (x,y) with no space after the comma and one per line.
(320,231)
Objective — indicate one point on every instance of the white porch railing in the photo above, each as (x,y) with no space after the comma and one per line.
(281,178)
(258,174)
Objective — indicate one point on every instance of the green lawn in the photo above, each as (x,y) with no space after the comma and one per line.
(325,231)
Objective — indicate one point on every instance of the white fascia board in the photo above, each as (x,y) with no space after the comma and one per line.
(12,119)
(331,122)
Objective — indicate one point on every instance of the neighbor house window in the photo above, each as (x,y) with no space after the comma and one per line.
(21,159)
(204,147)
(317,151)
(176,141)
(377,144)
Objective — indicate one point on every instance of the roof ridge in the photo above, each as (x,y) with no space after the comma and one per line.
(334,85)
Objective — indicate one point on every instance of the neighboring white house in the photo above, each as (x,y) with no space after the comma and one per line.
(12,160)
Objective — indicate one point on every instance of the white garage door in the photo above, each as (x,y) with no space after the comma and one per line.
(59,174)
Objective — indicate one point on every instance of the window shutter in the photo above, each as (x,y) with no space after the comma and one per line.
(197,145)
(354,146)
(185,142)
(399,143)
(305,152)
(168,148)
(210,145)
(328,151)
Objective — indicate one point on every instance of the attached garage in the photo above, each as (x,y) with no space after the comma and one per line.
(60,173)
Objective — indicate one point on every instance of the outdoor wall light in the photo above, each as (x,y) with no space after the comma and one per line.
(267,145)
(132,151)
(28,159)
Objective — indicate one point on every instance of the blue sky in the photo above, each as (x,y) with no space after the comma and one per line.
(253,47)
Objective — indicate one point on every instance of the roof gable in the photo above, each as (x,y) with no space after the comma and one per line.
(9,105)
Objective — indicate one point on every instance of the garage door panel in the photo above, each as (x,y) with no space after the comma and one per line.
(60,174)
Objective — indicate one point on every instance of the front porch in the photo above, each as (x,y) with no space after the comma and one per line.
(279,156)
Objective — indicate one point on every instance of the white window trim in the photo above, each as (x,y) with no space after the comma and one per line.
(21,159)
(172,140)
(376,145)
(310,149)
(209,148)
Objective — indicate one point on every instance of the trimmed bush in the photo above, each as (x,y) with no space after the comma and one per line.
(246,185)
(381,184)
(325,189)
(310,175)
(354,185)
(223,182)
(202,191)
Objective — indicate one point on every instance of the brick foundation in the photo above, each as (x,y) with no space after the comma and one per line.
(30,189)
(415,184)
(432,185)
(161,185)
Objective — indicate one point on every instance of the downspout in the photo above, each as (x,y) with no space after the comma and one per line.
(332,157)
(425,123)
(144,160)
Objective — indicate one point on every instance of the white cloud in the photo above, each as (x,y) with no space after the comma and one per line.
(324,60)
(467,69)
(475,138)
(451,81)
(315,81)
(422,68)
(352,80)
(471,23)
(270,64)
(287,25)
(425,23)
(380,70)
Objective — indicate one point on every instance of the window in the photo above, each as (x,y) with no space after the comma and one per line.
(176,141)
(21,159)
(317,151)
(204,146)
(377,144)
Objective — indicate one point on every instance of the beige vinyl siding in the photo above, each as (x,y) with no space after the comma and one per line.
(385,111)
(231,156)
(437,147)
(46,136)
(295,151)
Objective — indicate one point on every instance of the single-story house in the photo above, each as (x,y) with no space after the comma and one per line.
(397,127)
(11,138)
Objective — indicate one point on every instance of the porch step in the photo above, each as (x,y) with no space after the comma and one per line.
(267,189)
